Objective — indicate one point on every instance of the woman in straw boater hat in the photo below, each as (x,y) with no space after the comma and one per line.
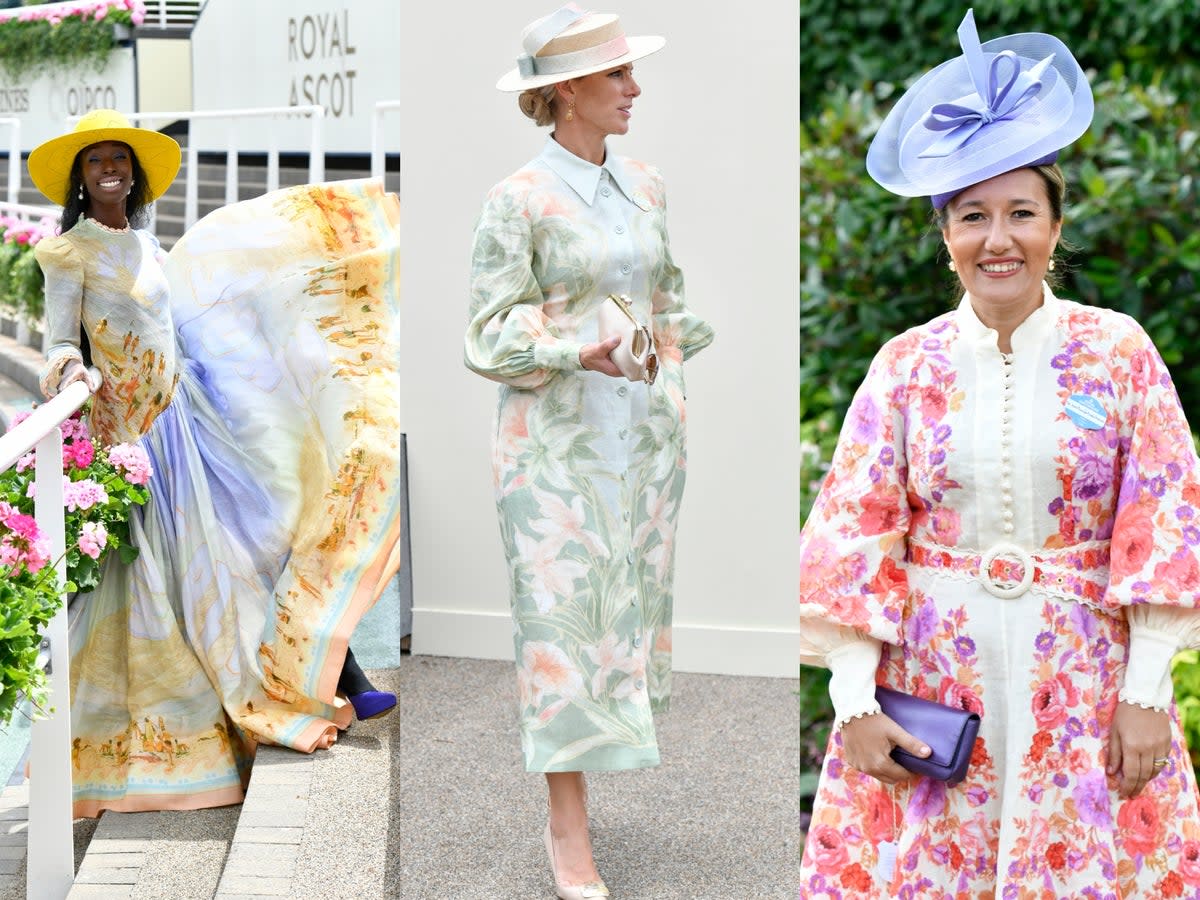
(255,367)
(588,464)
(1008,528)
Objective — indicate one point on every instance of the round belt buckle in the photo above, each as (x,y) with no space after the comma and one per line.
(1021,555)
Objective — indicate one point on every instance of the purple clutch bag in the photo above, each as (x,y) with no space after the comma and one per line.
(949,732)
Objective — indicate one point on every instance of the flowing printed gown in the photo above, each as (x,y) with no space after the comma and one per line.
(1071,458)
(588,469)
(256,365)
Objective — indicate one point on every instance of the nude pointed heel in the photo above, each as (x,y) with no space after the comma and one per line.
(589,891)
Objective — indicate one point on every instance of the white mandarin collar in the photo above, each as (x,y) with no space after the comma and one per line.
(1036,327)
(582,176)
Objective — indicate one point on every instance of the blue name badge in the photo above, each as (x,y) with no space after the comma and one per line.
(1086,412)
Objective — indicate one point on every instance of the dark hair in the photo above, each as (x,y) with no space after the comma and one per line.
(137,204)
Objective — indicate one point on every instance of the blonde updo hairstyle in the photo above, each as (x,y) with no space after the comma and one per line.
(538,104)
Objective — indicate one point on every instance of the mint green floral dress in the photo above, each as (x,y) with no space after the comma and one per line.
(588,469)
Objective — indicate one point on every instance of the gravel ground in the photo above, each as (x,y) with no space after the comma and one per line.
(717,821)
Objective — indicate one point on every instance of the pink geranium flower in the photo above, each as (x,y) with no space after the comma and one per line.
(82,494)
(133,461)
(92,538)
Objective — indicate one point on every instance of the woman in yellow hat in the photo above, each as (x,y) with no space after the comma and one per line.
(255,365)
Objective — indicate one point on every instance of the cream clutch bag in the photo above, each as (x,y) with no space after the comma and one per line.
(634,356)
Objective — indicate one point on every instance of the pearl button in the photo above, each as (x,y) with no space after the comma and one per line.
(1008,514)
(637,642)
(623,433)
(622,391)
(620,229)
(1007,498)
(626,269)
(625,516)
(605,192)
(1008,527)
(629,559)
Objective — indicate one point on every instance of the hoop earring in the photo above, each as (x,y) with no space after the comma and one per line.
(571,111)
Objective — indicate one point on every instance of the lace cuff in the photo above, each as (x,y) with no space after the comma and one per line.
(1148,673)
(852,687)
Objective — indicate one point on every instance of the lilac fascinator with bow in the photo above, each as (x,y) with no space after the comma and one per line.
(1012,102)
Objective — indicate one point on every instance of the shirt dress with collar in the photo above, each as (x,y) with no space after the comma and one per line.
(588,469)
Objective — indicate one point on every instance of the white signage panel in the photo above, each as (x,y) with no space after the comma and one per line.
(45,102)
(338,54)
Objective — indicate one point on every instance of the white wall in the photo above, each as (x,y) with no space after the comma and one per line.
(718,115)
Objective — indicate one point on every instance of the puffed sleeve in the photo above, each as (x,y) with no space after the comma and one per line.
(509,338)
(678,332)
(64,301)
(852,545)
(1155,567)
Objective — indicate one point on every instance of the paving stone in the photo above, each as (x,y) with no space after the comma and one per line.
(266,835)
(267,793)
(255,885)
(120,845)
(274,818)
(112,860)
(11,866)
(100,892)
(108,876)
(15,851)
(17,839)
(281,775)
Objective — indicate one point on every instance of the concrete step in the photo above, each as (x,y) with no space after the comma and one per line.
(313,825)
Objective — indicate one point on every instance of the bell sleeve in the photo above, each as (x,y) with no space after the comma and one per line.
(63,271)
(1154,571)
(678,332)
(852,545)
(509,338)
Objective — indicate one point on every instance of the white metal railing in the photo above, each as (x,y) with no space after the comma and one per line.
(378,157)
(51,859)
(14,157)
(172,13)
(316,157)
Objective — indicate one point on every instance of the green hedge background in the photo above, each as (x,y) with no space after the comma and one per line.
(873,265)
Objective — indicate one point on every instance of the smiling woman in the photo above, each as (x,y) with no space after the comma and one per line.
(1004,531)
(589,465)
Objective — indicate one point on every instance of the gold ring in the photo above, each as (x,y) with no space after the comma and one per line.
(1160,762)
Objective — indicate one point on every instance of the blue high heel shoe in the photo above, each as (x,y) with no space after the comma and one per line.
(372,704)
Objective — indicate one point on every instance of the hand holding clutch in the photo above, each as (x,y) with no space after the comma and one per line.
(634,356)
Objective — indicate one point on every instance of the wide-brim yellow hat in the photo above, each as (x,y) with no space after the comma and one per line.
(157,154)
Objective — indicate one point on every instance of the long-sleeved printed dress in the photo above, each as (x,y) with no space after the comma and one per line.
(1066,471)
(256,366)
(588,469)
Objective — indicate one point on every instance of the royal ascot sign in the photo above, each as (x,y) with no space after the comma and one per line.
(45,102)
(338,55)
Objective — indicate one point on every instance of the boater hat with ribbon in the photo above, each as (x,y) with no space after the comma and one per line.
(1007,104)
(570,43)
(157,154)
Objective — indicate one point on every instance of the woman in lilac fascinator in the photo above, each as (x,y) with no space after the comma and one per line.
(1008,528)
(588,452)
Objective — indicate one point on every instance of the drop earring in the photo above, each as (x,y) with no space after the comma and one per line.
(81,192)
(571,112)
(950,266)
(1051,266)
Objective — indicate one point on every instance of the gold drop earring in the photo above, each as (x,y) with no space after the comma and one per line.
(571,111)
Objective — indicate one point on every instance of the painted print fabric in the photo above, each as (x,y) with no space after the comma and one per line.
(588,470)
(256,365)
(1075,450)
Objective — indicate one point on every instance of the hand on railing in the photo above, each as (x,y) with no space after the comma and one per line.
(76,371)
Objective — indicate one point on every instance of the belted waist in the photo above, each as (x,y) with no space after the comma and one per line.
(1006,570)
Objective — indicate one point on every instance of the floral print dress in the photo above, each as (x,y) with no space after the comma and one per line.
(588,469)
(1015,534)
(256,365)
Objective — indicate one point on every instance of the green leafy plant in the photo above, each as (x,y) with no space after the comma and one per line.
(42,38)
(100,488)
(22,285)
